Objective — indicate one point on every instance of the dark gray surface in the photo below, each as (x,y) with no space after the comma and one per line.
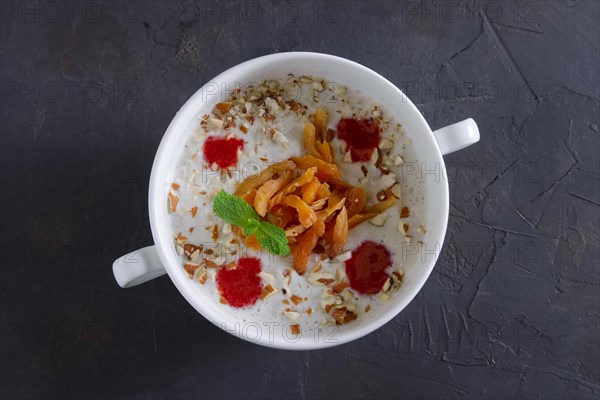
(512,307)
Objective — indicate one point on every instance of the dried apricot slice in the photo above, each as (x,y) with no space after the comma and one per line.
(305,246)
(306,215)
(268,189)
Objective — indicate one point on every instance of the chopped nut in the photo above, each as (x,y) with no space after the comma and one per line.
(190,268)
(342,315)
(226,229)
(295,329)
(179,250)
(321,279)
(211,263)
(398,160)
(367,308)
(224,106)
(386,144)
(421,230)
(404,212)
(296,299)
(326,281)
(389,179)
(339,287)
(214,123)
(396,190)
(194,211)
(378,220)
(401,228)
(278,137)
(180,238)
(215,232)
(173,200)
(267,278)
(175,186)
(194,256)
(287,277)
(200,275)
(347,157)
(189,250)
(341,273)
(386,285)
(291,314)
(345,256)
(272,105)
(317,267)
(317,86)
(267,291)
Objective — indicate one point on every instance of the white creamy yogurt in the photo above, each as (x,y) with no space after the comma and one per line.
(269,141)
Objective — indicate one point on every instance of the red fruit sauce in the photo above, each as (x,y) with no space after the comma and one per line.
(241,286)
(361,137)
(366,269)
(222,151)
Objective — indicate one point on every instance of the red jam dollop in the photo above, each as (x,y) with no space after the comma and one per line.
(241,286)
(366,270)
(222,151)
(361,137)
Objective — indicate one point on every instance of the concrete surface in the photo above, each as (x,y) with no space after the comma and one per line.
(512,307)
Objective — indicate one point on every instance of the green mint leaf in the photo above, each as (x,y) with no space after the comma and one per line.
(235,210)
(251,227)
(272,238)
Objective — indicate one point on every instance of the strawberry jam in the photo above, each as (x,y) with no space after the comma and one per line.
(361,137)
(240,286)
(366,270)
(222,151)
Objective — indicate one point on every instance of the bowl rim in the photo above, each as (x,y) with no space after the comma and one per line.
(163,238)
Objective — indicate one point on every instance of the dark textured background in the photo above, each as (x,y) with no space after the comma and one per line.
(512,307)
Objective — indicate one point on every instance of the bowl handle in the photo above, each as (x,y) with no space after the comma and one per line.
(457,136)
(138,267)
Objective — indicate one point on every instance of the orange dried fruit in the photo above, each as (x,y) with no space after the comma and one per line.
(307,176)
(310,141)
(249,197)
(320,120)
(309,191)
(325,171)
(324,192)
(381,206)
(306,215)
(255,181)
(359,218)
(339,234)
(325,151)
(252,242)
(268,189)
(305,246)
(356,200)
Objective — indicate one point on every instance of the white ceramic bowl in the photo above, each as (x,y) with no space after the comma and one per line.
(150,262)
